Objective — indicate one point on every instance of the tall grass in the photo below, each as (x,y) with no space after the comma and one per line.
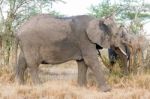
(60,82)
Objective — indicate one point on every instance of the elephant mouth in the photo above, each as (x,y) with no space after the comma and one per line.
(98,47)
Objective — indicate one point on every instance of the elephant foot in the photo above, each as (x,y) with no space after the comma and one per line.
(105,88)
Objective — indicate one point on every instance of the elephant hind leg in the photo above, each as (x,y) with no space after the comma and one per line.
(34,70)
(33,66)
(33,62)
(20,69)
(82,70)
(34,74)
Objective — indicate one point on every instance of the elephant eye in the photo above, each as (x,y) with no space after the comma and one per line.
(117,34)
(105,28)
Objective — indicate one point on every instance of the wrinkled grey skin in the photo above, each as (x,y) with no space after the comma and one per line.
(45,39)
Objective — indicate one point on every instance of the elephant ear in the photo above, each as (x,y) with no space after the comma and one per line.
(111,24)
(93,31)
(98,33)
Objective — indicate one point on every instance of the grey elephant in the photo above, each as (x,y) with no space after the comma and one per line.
(123,52)
(46,39)
(131,45)
(136,44)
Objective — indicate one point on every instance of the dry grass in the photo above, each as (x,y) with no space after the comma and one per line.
(60,83)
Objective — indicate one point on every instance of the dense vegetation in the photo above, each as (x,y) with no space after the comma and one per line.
(12,14)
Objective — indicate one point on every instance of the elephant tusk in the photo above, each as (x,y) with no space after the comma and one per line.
(122,51)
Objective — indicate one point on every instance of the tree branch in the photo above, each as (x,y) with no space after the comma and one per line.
(22,2)
(1,1)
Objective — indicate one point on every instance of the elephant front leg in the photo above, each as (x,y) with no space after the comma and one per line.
(82,70)
(93,63)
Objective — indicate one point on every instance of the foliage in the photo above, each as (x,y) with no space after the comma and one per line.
(102,9)
(56,14)
(15,12)
(116,69)
(134,11)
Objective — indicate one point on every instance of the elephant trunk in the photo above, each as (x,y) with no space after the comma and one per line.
(125,42)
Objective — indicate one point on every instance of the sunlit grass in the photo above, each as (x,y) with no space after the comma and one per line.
(132,86)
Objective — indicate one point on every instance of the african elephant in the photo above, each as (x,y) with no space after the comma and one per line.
(46,39)
(132,46)
(137,45)
(122,52)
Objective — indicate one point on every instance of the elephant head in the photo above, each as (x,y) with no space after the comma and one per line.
(136,45)
(103,32)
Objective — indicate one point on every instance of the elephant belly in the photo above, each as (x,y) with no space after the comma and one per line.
(59,53)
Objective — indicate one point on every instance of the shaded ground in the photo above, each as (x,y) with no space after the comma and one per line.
(59,82)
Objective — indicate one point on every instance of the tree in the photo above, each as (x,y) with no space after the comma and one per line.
(134,11)
(12,14)
(102,9)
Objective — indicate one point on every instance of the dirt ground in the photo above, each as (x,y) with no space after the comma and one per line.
(60,82)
